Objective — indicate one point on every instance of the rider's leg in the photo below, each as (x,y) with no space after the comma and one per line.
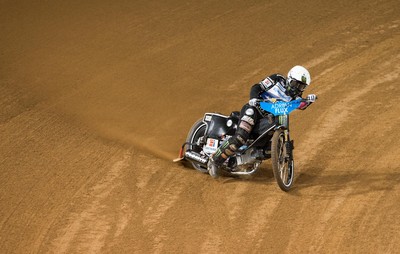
(228,148)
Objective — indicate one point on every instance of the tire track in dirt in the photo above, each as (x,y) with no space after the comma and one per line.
(324,58)
(167,197)
(319,232)
(32,124)
(337,116)
(41,130)
(212,243)
(88,229)
(165,187)
(355,220)
(339,112)
(388,203)
(235,202)
(167,194)
(259,222)
(251,217)
(354,216)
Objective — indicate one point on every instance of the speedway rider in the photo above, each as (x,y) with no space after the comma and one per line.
(273,87)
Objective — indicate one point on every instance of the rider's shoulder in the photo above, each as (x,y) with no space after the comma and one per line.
(277,77)
(273,79)
(270,81)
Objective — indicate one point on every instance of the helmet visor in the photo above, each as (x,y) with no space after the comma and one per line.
(300,86)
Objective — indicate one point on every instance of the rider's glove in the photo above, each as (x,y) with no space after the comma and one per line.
(311,98)
(254,102)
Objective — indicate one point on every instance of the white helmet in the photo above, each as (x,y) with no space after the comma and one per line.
(298,79)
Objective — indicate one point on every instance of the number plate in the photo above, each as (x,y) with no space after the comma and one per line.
(211,145)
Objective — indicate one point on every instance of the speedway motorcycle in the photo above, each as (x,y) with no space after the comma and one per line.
(270,139)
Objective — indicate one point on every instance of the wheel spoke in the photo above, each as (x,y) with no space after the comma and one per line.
(284,178)
(282,155)
(282,164)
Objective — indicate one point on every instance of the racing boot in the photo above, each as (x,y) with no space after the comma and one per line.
(213,168)
(217,159)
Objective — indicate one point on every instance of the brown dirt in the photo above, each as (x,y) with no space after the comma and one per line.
(97,97)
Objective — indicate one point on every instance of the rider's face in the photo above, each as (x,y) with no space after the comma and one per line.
(297,85)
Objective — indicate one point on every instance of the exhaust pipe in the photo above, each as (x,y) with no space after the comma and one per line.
(195,157)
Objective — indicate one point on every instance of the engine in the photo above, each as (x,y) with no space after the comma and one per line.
(250,157)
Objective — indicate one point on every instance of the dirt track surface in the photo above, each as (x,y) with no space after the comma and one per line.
(97,97)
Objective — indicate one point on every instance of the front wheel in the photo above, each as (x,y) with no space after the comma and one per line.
(282,161)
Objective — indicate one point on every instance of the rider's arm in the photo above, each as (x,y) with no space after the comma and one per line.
(255,91)
(255,94)
(304,105)
(307,102)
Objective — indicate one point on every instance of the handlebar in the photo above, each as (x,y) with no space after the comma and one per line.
(273,100)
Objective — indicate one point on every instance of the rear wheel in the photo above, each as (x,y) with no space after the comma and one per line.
(282,161)
(195,139)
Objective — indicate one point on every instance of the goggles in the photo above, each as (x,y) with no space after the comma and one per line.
(298,85)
